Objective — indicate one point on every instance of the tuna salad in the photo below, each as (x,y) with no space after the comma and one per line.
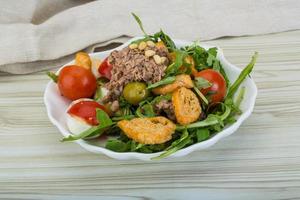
(143,62)
(150,96)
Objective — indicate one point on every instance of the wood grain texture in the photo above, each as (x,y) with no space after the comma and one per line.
(260,161)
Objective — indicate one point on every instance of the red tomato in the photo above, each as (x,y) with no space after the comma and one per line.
(105,68)
(86,110)
(76,82)
(218,88)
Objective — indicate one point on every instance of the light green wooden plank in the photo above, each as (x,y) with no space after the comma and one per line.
(260,161)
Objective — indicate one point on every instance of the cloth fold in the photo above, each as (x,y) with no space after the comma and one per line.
(47,33)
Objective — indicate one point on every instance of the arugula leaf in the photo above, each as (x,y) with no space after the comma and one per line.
(206,59)
(53,76)
(213,51)
(166,40)
(222,71)
(138,146)
(150,148)
(157,147)
(157,99)
(138,20)
(103,117)
(92,131)
(210,60)
(164,81)
(117,145)
(202,83)
(199,55)
(212,54)
(217,66)
(234,109)
(173,69)
(123,102)
(183,141)
(148,110)
(125,107)
(174,149)
(246,71)
(187,68)
(135,146)
(235,106)
(216,128)
(230,120)
(140,40)
(215,63)
(145,149)
(145,110)
(240,97)
(204,99)
(126,117)
(202,134)
(183,136)
(210,120)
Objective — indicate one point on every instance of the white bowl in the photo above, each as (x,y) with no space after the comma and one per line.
(56,106)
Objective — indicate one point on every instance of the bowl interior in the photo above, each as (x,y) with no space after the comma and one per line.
(56,106)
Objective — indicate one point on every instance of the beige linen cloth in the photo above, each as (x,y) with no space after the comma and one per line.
(38,34)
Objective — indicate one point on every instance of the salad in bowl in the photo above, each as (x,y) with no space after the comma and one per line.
(151,98)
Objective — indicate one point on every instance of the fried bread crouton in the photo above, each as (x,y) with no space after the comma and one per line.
(83,59)
(154,130)
(182,80)
(187,107)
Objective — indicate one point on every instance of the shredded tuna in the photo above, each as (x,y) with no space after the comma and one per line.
(132,65)
(165,106)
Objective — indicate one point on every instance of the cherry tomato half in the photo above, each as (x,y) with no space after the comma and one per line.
(218,88)
(76,82)
(105,68)
(86,110)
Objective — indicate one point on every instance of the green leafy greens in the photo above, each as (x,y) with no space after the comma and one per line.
(204,99)
(202,83)
(53,76)
(137,19)
(166,40)
(184,140)
(173,69)
(246,71)
(164,81)
(210,120)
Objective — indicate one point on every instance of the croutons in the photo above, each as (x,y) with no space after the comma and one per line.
(187,108)
(83,59)
(182,80)
(154,130)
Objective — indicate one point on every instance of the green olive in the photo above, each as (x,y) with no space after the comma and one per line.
(135,92)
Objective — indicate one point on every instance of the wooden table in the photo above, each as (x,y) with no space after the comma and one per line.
(260,161)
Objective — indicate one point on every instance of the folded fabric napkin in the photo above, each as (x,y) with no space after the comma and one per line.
(37,35)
